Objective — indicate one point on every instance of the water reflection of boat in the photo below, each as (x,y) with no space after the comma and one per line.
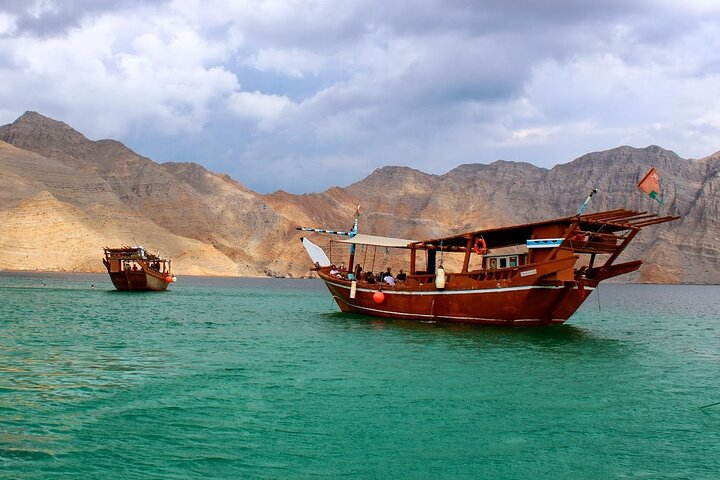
(530,274)
(134,269)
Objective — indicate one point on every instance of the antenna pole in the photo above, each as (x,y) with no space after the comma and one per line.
(586,202)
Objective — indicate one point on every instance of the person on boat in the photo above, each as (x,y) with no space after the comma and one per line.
(388,278)
(369,277)
(402,276)
(335,273)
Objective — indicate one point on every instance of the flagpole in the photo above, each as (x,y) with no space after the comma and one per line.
(586,202)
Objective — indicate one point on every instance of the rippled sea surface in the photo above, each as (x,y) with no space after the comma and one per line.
(239,378)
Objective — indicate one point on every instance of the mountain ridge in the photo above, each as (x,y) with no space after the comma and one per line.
(210,224)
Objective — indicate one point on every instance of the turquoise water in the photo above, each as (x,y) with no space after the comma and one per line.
(237,378)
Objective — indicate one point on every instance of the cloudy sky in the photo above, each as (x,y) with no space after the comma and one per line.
(301,95)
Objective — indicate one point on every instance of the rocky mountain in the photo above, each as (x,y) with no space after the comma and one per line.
(63,197)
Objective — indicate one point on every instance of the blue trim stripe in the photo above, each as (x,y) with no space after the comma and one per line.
(544,243)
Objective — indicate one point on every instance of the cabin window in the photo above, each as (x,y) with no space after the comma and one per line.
(505,261)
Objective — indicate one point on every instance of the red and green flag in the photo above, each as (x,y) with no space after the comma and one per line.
(650,184)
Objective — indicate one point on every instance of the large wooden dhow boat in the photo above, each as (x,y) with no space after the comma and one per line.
(135,269)
(531,274)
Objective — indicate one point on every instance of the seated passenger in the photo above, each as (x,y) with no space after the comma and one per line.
(401,277)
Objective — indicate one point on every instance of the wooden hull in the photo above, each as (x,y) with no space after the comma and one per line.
(138,281)
(505,305)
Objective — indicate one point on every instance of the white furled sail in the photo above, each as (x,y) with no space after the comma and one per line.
(316,253)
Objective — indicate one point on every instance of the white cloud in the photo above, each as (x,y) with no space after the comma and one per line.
(291,62)
(265,109)
(131,71)
(7,24)
(533,135)
(38,8)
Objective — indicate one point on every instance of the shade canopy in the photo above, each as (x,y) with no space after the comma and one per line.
(611,221)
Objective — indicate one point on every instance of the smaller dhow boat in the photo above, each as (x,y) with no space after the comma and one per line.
(135,269)
(530,274)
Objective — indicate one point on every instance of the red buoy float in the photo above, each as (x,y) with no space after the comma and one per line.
(378,297)
(168,279)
